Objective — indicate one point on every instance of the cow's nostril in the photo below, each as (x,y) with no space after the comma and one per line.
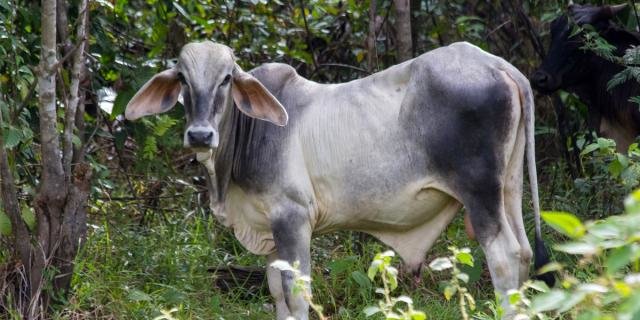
(540,78)
(200,138)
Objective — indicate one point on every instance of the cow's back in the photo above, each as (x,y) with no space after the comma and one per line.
(375,152)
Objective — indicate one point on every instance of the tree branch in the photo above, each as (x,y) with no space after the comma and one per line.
(372,55)
(308,37)
(403,30)
(76,73)
(47,96)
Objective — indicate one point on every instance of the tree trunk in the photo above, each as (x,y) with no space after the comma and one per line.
(49,200)
(48,251)
(372,56)
(403,30)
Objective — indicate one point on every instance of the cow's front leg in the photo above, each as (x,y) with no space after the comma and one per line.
(292,236)
(275,287)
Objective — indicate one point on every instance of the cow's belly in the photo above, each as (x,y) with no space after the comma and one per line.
(399,210)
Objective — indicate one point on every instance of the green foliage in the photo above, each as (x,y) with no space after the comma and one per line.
(631,60)
(594,42)
(612,292)
(565,223)
(147,256)
(388,305)
(456,285)
(622,169)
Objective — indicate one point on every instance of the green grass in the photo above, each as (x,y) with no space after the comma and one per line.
(128,271)
(133,270)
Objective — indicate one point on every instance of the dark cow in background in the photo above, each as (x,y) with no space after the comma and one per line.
(570,67)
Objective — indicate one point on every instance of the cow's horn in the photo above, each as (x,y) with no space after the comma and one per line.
(617,8)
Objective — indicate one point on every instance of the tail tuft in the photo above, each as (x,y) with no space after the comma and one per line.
(542,258)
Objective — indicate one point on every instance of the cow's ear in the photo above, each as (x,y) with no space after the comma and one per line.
(254,100)
(158,95)
(587,14)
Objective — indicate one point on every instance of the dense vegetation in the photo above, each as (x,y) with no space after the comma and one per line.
(152,248)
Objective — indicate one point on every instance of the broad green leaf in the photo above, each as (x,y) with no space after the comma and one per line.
(565,223)
(449,291)
(392,274)
(440,264)
(620,257)
(120,103)
(361,279)
(577,248)
(281,265)
(550,267)
(374,268)
(465,258)
(514,297)
(28,217)
(371,310)
(405,299)
(589,148)
(538,285)
(5,224)
(632,203)
(340,266)
(12,137)
(615,168)
(572,300)
(463,276)
(418,315)
(623,289)
(630,308)
(548,301)
(137,295)
(592,288)
(605,229)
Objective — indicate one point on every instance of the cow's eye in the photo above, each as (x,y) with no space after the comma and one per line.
(181,78)
(226,80)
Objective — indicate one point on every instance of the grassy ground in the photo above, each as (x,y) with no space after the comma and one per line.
(138,269)
(127,271)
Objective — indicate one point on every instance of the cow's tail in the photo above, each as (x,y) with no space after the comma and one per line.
(541,255)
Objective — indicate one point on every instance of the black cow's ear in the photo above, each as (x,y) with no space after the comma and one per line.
(254,100)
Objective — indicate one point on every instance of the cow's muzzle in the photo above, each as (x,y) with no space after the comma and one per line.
(201,137)
(544,82)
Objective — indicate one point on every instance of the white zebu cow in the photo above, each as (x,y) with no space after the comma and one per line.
(395,154)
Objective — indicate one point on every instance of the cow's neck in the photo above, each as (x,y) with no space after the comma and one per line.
(235,131)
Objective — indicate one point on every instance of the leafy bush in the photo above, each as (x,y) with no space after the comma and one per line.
(388,305)
(609,252)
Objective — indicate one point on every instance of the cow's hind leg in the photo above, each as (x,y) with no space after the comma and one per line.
(513,204)
(292,236)
(499,243)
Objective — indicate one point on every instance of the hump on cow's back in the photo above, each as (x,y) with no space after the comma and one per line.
(274,76)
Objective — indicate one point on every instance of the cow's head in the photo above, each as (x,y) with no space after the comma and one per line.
(565,64)
(209,81)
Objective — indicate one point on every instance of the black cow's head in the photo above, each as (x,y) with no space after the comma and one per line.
(210,83)
(566,62)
